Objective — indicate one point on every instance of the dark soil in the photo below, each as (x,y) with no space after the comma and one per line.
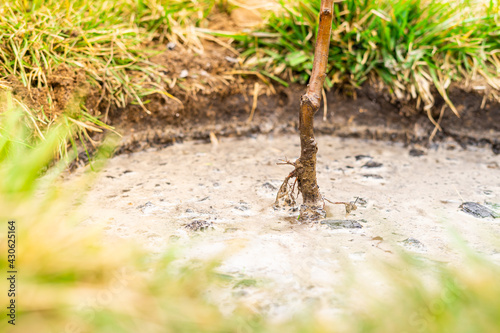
(371,115)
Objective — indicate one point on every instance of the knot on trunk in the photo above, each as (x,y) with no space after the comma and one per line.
(311,100)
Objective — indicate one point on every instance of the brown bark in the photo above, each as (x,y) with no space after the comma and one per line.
(312,207)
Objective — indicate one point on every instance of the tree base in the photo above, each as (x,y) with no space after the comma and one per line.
(312,210)
(311,213)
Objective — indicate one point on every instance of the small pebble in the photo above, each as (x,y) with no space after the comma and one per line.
(491,165)
(361,202)
(477,210)
(373,176)
(496,148)
(360,157)
(171,45)
(173,238)
(414,245)
(242,205)
(232,60)
(146,207)
(372,164)
(342,224)
(199,225)
(416,152)
(269,186)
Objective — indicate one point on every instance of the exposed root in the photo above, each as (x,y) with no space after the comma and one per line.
(287,162)
(349,206)
(285,196)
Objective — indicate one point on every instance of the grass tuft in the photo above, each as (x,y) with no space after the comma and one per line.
(43,44)
(413,46)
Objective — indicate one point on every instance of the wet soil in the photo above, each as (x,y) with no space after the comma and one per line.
(215,200)
(371,115)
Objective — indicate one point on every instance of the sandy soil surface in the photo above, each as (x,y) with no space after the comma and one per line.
(406,203)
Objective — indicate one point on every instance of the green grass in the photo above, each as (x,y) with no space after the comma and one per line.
(413,46)
(104,39)
(44,44)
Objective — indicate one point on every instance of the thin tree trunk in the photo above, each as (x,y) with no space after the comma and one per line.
(305,166)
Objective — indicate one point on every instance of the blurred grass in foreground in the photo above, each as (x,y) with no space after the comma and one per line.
(73,280)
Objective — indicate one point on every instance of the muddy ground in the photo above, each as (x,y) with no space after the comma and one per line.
(215,200)
(198,175)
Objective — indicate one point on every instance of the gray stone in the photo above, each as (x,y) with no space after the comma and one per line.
(416,152)
(372,176)
(477,210)
(342,224)
(414,245)
(199,225)
(360,157)
(232,60)
(269,186)
(171,46)
(372,164)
